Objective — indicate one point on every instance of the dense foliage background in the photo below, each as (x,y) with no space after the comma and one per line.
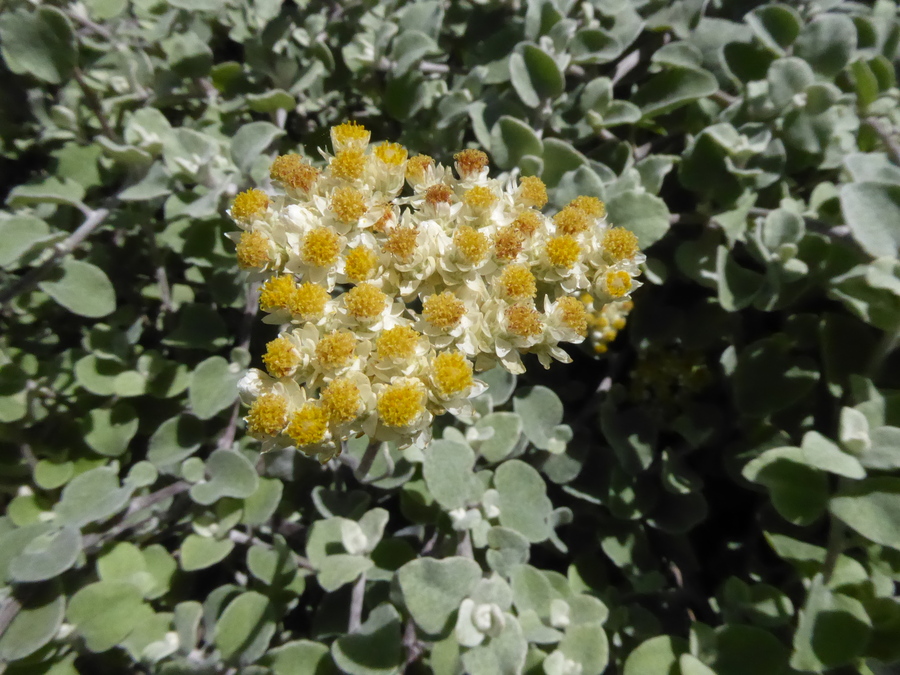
(718,493)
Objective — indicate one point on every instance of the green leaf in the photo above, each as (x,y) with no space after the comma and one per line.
(199,327)
(175,440)
(213,386)
(92,496)
(872,211)
(776,26)
(541,413)
(657,655)
(51,191)
(82,288)
(769,378)
(20,235)
(104,613)
(270,101)
(250,141)
(503,655)
(373,650)
(39,43)
(124,562)
(341,569)
(245,628)
(505,427)
(262,504)
(35,624)
(747,650)
(108,431)
(198,552)
(593,45)
(511,140)
(521,80)
(46,556)
(587,645)
(448,473)
(833,630)
(230,475)
(524,505)
(559,158)
(433,589)
(799,493)
(827,43)
(156,183)
(673,88)
(872,508)
(300,657)
(641,212)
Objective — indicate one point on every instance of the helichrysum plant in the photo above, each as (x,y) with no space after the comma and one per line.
(396,279)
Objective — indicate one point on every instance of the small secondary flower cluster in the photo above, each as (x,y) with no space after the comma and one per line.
(604,324)
(395,280)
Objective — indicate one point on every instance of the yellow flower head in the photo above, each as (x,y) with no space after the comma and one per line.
(390,153)
(291,171)
(321,247)
(348,204)
(308,425)
(469,163)
(341,400)
(472,244)
(620,243)
(563,251)
(252,250)
(267,415)
(532,192)
(417,166)
(336,349)
(360,263)
(281,357)
(590,205)
(574,315)
(348,163)
(401,403)
(523,320)
(444,310)
(249,204)
(397,343)
(365,302)
(451,373)
(277,292)
(349,134)
(516,281)
(618,283)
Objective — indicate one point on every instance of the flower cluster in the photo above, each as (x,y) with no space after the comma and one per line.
(395,279)
(605,323)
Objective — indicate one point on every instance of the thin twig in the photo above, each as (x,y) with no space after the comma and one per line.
(356,604)
(891,145)
(94,103)
(162,280)
(62,249)
(251,304)
(626,65)
(8,611)
(368,458)
(836,536)
(413,645)
(464,546)
(137,505)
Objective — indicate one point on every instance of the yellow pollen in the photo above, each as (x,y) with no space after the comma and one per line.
(600,348)
(401,242)
(348,204)
(518,282)
(267,415)
(321,247)
(277,292)
(341,400)
(470,162)
(586,298)
(400,404)
(508,242)
(452,373)
(438,193)
(618,283)
(610,334)
(533,192)
(281,358)
(348,163)
(365,301)
(308,301)
(390,153)
(336,349)
(523,320)
(291,171)
(398,342)
(472,244)
(573,314)
(248,204)
(252,250)
(590,205)
(308,425)
(620,243)
(350,132)
(563,251)
(571,220)
(627,305)
(618,323)
(417,166)
(443,311)
(479,197)
(527,222)
(360,263)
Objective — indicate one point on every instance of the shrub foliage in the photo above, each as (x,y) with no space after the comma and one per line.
(711,487)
